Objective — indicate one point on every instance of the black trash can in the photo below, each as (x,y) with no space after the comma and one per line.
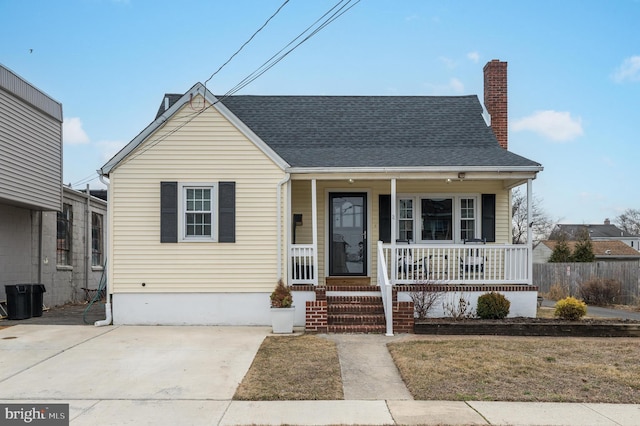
(36,299)
(18,301)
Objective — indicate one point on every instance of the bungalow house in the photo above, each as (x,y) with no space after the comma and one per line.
(603,250)
(220,196)
(597,232)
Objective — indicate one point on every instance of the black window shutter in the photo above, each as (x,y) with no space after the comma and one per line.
(384,217)
(489,217)
(168,212)
(227,212)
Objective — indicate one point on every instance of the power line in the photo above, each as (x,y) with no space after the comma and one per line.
(267,65)
(246,42)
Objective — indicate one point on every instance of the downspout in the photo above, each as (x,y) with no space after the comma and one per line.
(279,220)
(530,231)
(40,250)
(107,305)
(87,233)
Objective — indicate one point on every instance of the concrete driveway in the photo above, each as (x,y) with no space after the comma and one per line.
(121,374)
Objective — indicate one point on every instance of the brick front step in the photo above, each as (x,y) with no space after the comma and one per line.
(355,300)
(348,308)
(356,329)
(350,319)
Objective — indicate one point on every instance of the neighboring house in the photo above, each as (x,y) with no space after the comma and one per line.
(597,232)
(33,201)
(604,251)
(219,197)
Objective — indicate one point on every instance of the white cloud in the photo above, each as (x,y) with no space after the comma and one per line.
(629,70)
(473,57)
(109,148)
(72,131)
(413,17)
(448,62)
(558,126)
(454,86)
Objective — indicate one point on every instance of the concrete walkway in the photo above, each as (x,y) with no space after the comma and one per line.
(188,375)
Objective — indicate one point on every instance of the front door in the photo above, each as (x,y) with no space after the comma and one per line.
(347,234)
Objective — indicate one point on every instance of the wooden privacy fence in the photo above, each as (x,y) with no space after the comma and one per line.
(571,275)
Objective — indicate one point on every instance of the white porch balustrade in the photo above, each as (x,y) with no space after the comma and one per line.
(303,261)
(432,263)
(458,263)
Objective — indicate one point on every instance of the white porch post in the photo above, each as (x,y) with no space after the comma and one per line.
(394,258)
(529,231)
(314,220)
(288,261)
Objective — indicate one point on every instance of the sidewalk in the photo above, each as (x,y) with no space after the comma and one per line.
(187,376)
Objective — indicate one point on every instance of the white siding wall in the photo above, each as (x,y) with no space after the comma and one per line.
(207,149)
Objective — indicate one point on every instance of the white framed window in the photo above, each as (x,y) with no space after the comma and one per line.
(197,212)
(405,219)
(468,216)
(440,218)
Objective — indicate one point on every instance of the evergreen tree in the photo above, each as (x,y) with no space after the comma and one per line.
(561,252)
(583,251)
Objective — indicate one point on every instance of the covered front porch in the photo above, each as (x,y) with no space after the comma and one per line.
(421,230)
(446,233)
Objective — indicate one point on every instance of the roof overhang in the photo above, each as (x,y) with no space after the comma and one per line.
(511,176)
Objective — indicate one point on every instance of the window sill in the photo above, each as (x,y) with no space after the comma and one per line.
(97,268)
(64,267)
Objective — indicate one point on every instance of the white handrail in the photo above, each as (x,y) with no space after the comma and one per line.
(385,289)
(459,263)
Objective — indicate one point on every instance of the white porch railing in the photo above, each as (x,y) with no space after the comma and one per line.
(458,263)
(302,257)
(429,263)
(385,290)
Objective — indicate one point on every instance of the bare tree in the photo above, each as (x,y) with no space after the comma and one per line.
(629,221)
(542,223)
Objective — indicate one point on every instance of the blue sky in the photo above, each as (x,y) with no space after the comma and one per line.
(574,72)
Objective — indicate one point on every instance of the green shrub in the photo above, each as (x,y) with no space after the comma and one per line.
(492,306)
(570,308)
(601,291)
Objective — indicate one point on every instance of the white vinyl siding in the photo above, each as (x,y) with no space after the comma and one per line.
(207,149)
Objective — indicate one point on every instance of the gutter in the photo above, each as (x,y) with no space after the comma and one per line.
(279,219)
(107,305)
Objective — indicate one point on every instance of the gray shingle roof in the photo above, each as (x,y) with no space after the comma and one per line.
(374,131)
(595,231)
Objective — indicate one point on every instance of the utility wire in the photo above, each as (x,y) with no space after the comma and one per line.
(246,42)
(271,62)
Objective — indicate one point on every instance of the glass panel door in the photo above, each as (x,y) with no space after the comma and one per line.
(347,234)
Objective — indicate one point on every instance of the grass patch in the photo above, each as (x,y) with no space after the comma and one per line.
(293,368)
(521,369)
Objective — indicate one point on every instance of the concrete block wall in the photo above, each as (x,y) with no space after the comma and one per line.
(24,260)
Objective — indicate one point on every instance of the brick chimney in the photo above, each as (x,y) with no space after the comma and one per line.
(495,99)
